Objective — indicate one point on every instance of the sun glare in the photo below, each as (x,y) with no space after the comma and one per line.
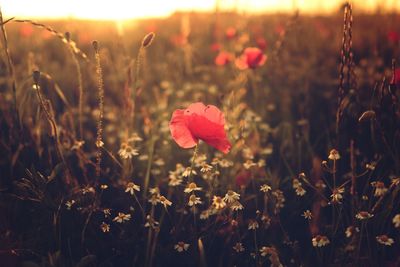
(123,9)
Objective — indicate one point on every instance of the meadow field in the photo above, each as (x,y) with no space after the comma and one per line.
(201,139)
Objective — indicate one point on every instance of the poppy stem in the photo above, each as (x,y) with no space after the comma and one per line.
(192,164)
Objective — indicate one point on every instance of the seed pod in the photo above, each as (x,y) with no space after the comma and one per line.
(36,76)
(67,36)
(148,39)
(95,46)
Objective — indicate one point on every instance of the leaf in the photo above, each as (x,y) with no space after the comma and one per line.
(57,172)
(367,115)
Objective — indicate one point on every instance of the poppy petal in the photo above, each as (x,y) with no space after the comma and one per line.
(263,60)
(213,114)
(179,130)
(222,144)
(211,132)
(195,108)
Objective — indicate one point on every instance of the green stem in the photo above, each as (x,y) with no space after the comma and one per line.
(192,164)
(149,163)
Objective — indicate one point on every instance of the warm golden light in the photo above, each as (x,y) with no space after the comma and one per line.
(124,9)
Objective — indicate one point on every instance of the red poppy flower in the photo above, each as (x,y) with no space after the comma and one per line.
(251,58)
(215,47)
(152,27)
(230,33)
(396,77)
(393,36)
(179,40)
(280,29)
(26,30)
(261,43)
(223,58)
(199,122)
(243,178)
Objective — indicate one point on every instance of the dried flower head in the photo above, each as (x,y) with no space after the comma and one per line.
(107,213)
(188,171)
(265,188)
(104,186)
(337,195)
(238,247)
(396,220)
(320,241)
(122,217)
(218,203)
(273,255)
(231,196)
(206,167)
(131,188)
(351,230)
(151,223)
(148,39)
(164,201)
(385,240)
(127,152)
(192,187)
(334,155)
(380,188)
(253,225)
(194,200)
(181,246)
(235,206)
(298,186)
(364,215)
(69,204)
(105,227)
(307,215)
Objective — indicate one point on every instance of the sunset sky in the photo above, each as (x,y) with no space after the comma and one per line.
(128,9)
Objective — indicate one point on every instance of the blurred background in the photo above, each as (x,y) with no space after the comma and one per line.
(120,9)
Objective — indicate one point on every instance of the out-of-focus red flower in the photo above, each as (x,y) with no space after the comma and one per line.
(230,33)
(393,36)
(396,77)
(46,35)
(26,30)
(215,47)
(322,29)
(261,43)
(243,178)
(251,58)
(280,29)
(151,27)
(223,58)
(179,40)
(84,38)
(199,122)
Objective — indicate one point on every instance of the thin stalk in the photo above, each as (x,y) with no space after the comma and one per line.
(50,119)
(100,87)
(192,164)
(80,88)
(149,163)
(256,248)
(149,239)
(10,71)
